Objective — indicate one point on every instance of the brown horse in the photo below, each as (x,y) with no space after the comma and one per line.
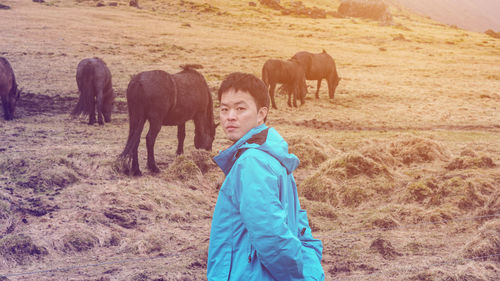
(318,67)
(8,89)
(94,83)
(169,100)
(289,73)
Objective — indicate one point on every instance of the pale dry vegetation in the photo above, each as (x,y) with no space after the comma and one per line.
(400,172)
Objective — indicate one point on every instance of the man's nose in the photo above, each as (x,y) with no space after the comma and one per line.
(231,114)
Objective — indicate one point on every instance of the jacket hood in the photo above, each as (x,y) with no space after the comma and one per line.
(262,138)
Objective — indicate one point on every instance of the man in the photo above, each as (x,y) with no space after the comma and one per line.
(258,230)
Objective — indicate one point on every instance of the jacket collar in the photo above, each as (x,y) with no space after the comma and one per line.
(226,158)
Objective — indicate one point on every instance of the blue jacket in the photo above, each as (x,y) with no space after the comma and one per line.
(258,230)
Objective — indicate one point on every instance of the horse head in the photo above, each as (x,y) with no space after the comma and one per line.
(107,106)
(204,138)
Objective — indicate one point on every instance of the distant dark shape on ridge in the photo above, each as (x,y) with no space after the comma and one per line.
(375,10)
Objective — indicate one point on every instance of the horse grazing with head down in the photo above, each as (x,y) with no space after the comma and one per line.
(9,93)
(318,67)
(169,100)
(94,83)
(289,73)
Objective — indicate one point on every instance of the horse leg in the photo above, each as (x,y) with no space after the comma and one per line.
(100,102)
(92,111)
(271,93)
(6,110)
(181,135)
(135,139)
(317,88)
(154,129)
(331,91)
(135,161)
(295,92)
(289,93)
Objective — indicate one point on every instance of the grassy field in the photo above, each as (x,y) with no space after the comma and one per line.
(399,172)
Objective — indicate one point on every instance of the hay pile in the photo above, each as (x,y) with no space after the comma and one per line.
(410,149)
(486,244)
(405,149)
(349,178)
(40,175)
(310,152)
(467,162)
(20,249)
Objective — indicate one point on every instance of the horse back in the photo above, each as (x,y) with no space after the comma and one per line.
(322,66)
(276,71)
(193,97)
(93,75)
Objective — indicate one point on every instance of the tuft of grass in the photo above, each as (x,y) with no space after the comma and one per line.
(351,165)
(411,149)
(319,188)
(79,240)
(486,244)
(467,162)
(310,151)
(354,196)
(21,249)
(321,209)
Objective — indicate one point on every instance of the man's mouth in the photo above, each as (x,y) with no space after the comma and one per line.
(231,127)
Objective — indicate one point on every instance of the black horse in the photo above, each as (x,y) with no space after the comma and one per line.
(8,89)
(289,73)
(318,67)
(169,100)
(94,83)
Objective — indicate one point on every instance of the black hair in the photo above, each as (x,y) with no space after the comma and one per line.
(239,81)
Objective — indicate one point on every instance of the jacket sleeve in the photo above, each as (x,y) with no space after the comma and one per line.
(257,194)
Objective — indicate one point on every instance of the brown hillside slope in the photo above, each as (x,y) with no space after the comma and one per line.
(476,15)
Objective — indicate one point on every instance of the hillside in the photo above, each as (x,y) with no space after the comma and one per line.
(475,15)
(399,172)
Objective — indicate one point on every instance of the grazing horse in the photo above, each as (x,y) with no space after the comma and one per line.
(94,83)
(289,73)
(318,67)
(8,89)
(169,100)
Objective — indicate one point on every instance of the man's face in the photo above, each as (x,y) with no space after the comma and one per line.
(239,114)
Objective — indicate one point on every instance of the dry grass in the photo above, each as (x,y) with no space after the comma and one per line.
(399,173)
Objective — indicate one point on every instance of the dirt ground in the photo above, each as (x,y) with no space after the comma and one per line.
(399,172)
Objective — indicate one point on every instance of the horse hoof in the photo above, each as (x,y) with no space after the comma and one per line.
(137,173)
(154,170)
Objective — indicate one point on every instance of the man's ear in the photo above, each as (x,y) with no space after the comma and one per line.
(262,114)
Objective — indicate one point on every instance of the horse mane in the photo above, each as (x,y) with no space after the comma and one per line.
(190,66)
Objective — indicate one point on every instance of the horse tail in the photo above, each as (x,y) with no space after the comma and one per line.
(137,118)
(84,79)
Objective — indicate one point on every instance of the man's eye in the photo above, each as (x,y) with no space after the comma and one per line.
(240,108)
